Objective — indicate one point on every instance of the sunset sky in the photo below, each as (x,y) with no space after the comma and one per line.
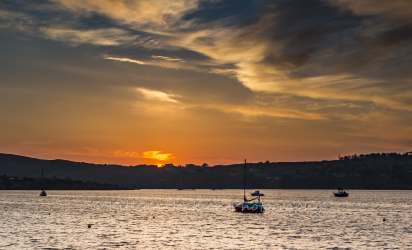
(190,81)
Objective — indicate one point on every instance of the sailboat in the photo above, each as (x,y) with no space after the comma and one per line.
(341,193)
(248,206)
(42,193)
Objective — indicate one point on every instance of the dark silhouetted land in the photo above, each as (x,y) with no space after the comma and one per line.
(371,171)
(24,183)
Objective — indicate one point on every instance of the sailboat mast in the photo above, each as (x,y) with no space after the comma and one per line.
(42,179)
(244,184)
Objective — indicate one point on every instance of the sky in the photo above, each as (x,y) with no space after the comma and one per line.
(194,81)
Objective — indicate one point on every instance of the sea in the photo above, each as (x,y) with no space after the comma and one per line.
(204,219)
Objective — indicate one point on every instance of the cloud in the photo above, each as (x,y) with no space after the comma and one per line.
(155,155)
(157,95)
(141,13)
(15,20)
(308,48)
(124,60)
(164,62)
(12,15)
(321,49)
(395,9)
(53,148)
(102,37)
(225,72)
(122,153)
(274,112)
(166,58)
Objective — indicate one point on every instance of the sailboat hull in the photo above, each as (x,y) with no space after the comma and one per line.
(250,208)
(341,194)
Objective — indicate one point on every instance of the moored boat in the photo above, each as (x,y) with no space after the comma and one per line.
(248,206)
(341,193)
(43,192)
(251,207)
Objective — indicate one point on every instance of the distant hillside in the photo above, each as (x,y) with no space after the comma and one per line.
(372,171)
(19,183)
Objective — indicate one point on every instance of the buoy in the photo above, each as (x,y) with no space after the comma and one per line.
(384,219)
(89,225)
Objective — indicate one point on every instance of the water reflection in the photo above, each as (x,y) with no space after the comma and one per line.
(298,219)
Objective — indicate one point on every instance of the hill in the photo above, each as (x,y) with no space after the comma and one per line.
(19,183)
(372,171)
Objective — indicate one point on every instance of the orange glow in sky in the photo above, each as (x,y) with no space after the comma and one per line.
(166,82)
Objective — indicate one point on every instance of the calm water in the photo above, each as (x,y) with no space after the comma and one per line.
(194,219)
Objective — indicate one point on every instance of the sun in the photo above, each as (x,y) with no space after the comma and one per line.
(160,165)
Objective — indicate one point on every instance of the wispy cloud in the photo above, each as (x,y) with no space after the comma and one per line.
(15,20)
(122,153)
(165,62)
(156,155)
(124,60)
(8,15)
(141,13)
(103,37)
(166,58)
(225,72)
(158,95)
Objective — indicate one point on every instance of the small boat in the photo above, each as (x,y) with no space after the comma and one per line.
(341,193)
(42,193)
(248,206)
(251,207)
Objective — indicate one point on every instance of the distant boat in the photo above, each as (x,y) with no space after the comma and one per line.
(248,206)
(42,193)
(341,193)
